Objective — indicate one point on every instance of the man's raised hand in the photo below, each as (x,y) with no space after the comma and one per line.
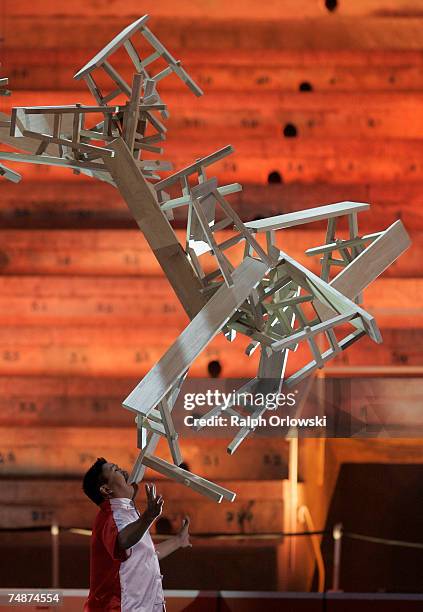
(183,534)
(154,502)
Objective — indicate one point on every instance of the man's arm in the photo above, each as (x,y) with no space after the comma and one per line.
(180,540)
(132,533)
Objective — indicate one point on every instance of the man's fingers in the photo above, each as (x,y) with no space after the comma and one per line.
(148,489)
(152,500)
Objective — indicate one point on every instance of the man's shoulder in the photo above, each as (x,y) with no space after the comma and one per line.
(102,517)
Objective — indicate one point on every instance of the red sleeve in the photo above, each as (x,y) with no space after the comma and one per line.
(109,537)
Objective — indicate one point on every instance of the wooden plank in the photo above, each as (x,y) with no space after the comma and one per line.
(376,371)
(389,300)
(377,451)
(89,302)
(265,519)
(47,301)
(219,10)
(9,174)
(372,261)
(194,168)
(99,351)
(24,158)
(184,200)
(102,351)
(366,115)
(31,503)
(368,265)
(62,401)
(141,200)
(398,349)
(352,115)
(48,204)
(246,131)
(22,143)
(196,336)
(327,294)
(38,122)
(372,33)
(308,334)
(78,202)
(70,451)
(384,402)
(65,253)
(266,70)
(112,46)
(337,162)
(388,200)
(196,483)
(80,402)
(307,216)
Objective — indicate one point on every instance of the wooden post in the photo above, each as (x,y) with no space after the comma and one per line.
(337,547)
(55,560)
(293,496)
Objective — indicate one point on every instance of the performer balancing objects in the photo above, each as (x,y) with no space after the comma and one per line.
(124,563)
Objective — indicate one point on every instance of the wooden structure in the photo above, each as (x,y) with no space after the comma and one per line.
(263,294)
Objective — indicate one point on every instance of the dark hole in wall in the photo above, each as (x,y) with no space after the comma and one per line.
(214,368)
(305,86)
(331,5)
(274,177)
(290,131)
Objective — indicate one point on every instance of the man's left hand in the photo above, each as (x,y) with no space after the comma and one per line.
(183,534)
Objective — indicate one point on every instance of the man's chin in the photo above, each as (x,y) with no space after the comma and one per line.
(125,475)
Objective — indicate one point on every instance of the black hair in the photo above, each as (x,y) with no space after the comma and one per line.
(93,480)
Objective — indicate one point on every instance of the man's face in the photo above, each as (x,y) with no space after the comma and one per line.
(116,478)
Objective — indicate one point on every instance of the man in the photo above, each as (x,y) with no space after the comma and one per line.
(124,564)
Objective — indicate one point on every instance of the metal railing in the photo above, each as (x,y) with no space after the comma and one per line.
(337,533)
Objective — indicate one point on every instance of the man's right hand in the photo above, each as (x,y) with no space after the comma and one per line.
(154,502)
(132,533)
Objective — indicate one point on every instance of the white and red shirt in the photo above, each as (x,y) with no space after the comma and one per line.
(122,580)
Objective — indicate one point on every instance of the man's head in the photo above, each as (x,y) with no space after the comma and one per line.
(106,480)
